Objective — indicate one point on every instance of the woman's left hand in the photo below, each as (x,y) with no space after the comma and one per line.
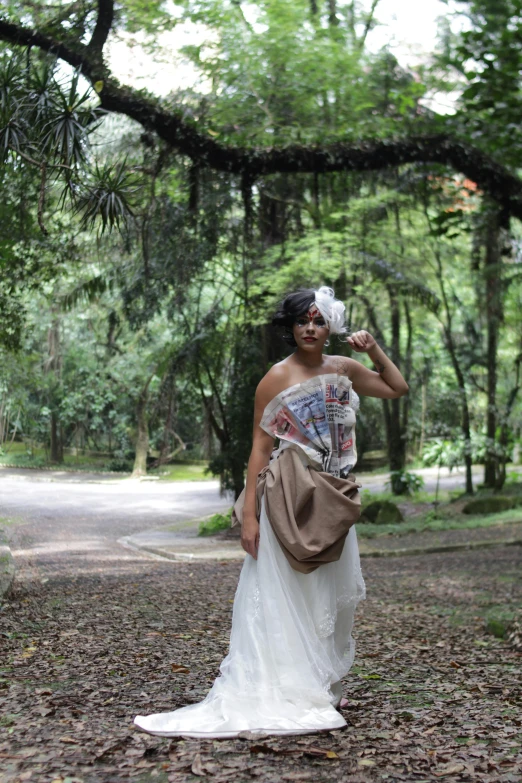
(361,341)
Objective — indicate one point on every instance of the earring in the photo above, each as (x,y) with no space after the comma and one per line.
(327,343)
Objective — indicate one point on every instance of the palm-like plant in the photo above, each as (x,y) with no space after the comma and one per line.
(106,194)
(46,122)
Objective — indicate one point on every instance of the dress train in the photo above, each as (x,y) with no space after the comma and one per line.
(290,646)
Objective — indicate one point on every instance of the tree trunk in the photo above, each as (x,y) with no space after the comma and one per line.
(142,437)
(466,419)
(3,426)
(505,429)
(396,436)
(405,401)
(492,270)
(238,478)
(423,418)
(167,428)
(54,366)
(56,449)
(271,216)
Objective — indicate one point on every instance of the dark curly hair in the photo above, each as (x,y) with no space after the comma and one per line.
(292,306)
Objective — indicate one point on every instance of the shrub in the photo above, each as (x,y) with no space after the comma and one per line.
(382,512)
(215,523)
(120,465)
(403,483)
(489,505)
(497,627)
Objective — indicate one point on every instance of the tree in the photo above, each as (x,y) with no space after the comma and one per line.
(52,35)
(229,199)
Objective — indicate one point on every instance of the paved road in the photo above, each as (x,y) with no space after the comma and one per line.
(60,517)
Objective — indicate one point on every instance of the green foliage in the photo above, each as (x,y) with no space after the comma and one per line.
(281,75)
(176,305)
(214,524)
(43,117)
(498,624)
(446,453)
(489,57)
(403,482)
(46,122)
(106,196)
(120,465)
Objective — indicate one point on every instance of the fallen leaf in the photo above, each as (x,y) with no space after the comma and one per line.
(451,769)
(313,751)
(197,766)
(111,747)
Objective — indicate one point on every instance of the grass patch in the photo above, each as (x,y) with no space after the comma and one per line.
(421,523)
(7,522)
(495,619)
(444,496)
(214,524)
(9,719)
(19,457)
(184,472)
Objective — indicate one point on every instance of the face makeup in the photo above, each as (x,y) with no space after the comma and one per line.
(311,328)
(312,317)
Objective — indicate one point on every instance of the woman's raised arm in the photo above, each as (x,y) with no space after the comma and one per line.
(386,381)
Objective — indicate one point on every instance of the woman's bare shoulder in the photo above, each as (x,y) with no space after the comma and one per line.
(277,378)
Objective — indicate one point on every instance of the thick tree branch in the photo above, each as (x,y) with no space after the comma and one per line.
(183,135)
(103,26)
(24,36)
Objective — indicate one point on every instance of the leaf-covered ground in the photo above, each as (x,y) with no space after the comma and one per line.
(432,695)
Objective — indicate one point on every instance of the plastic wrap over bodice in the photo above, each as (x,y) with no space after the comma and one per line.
(317,417)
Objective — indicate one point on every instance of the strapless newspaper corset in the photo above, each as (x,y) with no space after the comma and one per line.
(317,416)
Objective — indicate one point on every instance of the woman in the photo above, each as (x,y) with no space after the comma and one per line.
(294,607)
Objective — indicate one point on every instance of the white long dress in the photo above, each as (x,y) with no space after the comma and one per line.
(291,643)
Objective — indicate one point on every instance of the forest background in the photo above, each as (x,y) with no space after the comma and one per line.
(145,240)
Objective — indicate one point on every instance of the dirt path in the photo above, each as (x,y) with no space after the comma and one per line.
(88,642)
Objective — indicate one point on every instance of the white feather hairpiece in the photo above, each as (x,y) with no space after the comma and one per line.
(331,309)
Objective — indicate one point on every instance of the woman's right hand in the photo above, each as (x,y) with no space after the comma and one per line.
(250,534)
